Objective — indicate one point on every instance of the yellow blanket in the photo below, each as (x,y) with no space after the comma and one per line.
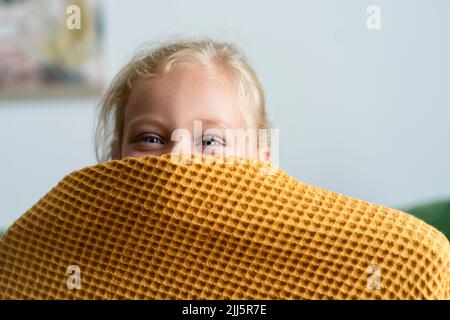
(151,228)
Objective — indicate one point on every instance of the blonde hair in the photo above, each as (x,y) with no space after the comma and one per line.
(160,60)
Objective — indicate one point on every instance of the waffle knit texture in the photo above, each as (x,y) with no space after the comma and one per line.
(155,228)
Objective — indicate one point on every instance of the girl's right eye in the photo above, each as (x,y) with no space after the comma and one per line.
(150,139)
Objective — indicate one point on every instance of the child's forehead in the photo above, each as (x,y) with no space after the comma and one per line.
(186,93)
(186,74)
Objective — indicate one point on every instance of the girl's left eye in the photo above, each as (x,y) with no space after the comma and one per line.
(150,139)
(212,141)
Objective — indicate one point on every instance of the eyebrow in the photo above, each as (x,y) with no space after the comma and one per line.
(222,124)
(159,121)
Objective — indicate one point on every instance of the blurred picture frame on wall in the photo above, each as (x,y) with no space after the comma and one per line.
(50,48)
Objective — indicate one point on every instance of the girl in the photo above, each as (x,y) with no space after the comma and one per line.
(182,97)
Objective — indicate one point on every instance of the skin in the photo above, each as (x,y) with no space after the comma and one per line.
(158,106)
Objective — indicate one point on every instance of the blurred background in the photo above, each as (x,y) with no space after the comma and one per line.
(363,112)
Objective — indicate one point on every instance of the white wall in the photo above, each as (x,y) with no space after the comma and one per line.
(364,113)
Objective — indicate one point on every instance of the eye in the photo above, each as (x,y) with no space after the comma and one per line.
(209,141)
(148,138)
